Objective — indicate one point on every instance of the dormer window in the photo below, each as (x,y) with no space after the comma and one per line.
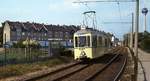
(18,32)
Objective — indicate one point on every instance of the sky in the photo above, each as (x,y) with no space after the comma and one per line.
(69,13)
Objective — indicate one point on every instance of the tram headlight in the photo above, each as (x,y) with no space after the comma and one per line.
(83,54)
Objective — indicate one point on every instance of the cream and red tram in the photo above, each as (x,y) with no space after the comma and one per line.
(89,43)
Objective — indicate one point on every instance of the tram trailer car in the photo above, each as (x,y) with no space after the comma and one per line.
(90,44)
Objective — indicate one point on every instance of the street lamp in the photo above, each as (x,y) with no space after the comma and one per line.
(145,11)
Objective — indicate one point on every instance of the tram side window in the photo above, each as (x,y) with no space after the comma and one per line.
(100,41)
(105,42)
(94,41)
(88,41)
(76,42)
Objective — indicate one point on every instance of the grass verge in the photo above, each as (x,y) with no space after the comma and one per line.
(20,69)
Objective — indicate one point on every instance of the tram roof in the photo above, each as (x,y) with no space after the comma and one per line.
(91,31)
(86,31)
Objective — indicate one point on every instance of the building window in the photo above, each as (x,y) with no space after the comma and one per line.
(28,33)
(49,34)
(56,34)
(45,36)
(18,32)
(66,35)
(23,33)
(61,34)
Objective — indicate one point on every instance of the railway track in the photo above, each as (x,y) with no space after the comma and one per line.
(113,72)
(54,71)
(90,71)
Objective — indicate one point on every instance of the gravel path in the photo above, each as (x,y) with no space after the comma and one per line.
(144,65)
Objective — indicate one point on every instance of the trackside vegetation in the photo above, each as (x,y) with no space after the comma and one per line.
(20,69)
(144,41)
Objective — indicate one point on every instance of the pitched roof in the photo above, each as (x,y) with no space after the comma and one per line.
(14,25)
(27,26)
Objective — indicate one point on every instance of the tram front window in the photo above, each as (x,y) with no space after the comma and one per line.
(82,41)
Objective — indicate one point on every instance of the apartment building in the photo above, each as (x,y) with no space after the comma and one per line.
(15,31)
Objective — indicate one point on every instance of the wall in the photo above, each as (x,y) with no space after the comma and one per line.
(7,32)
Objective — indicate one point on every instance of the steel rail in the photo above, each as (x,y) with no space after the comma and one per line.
(55,71)
(71,73)
(119,73)
(67,75)
(103,68)
(122,68)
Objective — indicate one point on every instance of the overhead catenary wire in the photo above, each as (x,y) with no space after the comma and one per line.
(87,1)
(89,16)
(119,10)
(86,5)
(85,20)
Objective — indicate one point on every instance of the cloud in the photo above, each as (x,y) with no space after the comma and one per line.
(70,2)
(63,5)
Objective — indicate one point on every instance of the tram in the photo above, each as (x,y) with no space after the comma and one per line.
(90,44)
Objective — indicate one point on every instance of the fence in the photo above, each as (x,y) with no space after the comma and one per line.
(23,55)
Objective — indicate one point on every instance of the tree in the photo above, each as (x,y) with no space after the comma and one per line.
(19,44)
(25,43)
(144,41)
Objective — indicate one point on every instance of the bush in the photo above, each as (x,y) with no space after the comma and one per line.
(145,44)
(20,44)
(35,45)
(67,53)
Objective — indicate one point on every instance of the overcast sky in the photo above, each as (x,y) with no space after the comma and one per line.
(66,12)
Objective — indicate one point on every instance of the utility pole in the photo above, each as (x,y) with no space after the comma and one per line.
(136,39)
(131,34)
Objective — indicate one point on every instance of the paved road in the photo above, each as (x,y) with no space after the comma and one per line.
(144,66)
